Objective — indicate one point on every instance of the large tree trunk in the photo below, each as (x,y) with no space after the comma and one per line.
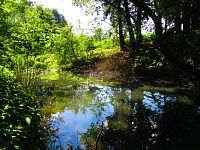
(129,24)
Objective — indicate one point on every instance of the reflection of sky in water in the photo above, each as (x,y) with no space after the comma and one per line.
(72,125)
(155,101)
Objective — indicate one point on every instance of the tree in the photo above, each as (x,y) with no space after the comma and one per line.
(120,25)
(157,11)
(59,18)
(65,46)
(98,34)
(129,24)
(164,38)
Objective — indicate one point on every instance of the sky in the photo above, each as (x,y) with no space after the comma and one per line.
(71,13)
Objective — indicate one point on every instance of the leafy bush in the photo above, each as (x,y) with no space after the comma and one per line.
(19,115)
(46,62)
(149,61)
(106,44)
(40,65)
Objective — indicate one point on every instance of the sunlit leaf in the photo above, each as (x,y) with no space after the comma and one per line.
(28,120)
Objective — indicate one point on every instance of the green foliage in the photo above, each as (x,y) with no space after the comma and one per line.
(32,35)
(40,65)
(106,44)
(85,43)
(98,34)
(19,115)
(72,49)
(48,60)
(185,47)
(65,45)
(149,37)
(29,30)
(26,32)
(148,60)
(59,18)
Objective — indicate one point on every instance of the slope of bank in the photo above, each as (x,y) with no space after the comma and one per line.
(115,67)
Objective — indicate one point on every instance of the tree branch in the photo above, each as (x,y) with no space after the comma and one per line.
(156,19)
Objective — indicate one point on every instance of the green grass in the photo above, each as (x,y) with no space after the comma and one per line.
(105,52)
(50,76)
(106,43)
(148,37)
(105,47)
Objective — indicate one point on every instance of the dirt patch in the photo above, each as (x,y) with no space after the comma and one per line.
(116,67)
(119,67)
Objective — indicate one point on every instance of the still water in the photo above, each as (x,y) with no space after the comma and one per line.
(103,117)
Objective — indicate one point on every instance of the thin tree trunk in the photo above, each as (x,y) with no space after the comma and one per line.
(186,21)
(177,23)
(195,15)
(129,24)
(139,26)
(121,36)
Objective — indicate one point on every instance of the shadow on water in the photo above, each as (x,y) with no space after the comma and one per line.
(103,117)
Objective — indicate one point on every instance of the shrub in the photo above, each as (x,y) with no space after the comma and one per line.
(19,115)
(40,65)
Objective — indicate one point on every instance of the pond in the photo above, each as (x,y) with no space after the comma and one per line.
(95,116)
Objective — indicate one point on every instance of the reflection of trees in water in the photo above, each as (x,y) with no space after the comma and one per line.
(148,120)
(85,98)
(53,136)
(170,124)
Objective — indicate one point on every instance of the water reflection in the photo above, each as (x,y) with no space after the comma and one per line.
(155,101)
(90,103)
(103,117)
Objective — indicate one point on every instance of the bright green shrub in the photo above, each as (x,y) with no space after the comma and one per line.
(40,65)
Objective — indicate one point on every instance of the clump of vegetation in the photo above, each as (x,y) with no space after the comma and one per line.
(19,115)
(148,61)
